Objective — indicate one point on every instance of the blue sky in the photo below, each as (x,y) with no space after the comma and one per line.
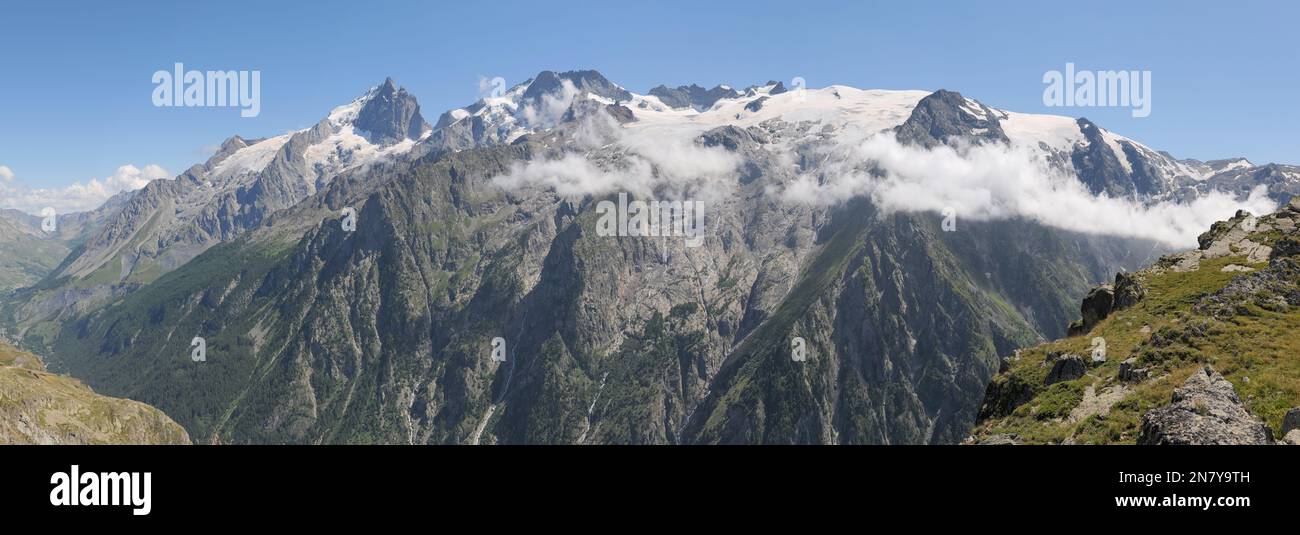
(75,93)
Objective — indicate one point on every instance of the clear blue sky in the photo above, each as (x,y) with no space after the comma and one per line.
(75,87)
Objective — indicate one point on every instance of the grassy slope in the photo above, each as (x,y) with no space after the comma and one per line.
(1255,349)
(38,407)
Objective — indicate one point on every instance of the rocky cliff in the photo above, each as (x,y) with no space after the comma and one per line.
(38,407)
(1199,348)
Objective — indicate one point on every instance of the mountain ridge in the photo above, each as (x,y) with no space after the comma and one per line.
(379,333)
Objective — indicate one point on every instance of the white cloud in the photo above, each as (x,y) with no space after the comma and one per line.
(78,197)
(573,175)
(6,174)
(643,161)
(984,182)
(551,108)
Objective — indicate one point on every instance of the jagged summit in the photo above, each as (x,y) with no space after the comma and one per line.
(586,81)
(390,114)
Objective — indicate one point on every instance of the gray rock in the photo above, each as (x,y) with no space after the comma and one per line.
(1205,410)
(1065,367)
(1291,421)
(1099,168)
(588,81)
(943,115)
(1129,372)
(391,115)
(1128,291)
(692,96)
(1292,438)
(1097,305)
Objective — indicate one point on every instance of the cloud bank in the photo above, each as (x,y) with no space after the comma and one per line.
(984,182)
(666,161)
(977,182)
(77,197)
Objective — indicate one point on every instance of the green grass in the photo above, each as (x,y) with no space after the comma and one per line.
(1257,350)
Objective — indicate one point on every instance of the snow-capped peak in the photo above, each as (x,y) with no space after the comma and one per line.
(347,113)
(385,121)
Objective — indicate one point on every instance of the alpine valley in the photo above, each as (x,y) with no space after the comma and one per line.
(352,280)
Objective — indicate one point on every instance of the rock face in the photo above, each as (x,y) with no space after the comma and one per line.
(1105,299)
(1291,421)
(38,407)
(1205,410)
(1097,305)
(693,96)
(1129,372)
(945,115)
(391,115)
(1128,291)
(1065,368)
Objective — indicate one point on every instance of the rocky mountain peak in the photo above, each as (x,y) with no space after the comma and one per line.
(587,81)
(947,114)
(391,114)
(693,96)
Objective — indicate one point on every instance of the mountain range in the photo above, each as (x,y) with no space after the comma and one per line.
(351,280)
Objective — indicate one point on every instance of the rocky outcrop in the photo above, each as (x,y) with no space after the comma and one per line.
(1065,367)
(1291,421)
(38,407)
(1128,291)
(1003,396)
(692,96)
(1129,372)
(1097,305)
(945,115)
(1205,410)
(1105,299)
(391,115)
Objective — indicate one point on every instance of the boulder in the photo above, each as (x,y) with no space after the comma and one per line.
(1097,305)
(1003,395)
(1129,372)
(1291,421)
(1292,438)
(1065,367)
(1205,410)
(1128,291)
